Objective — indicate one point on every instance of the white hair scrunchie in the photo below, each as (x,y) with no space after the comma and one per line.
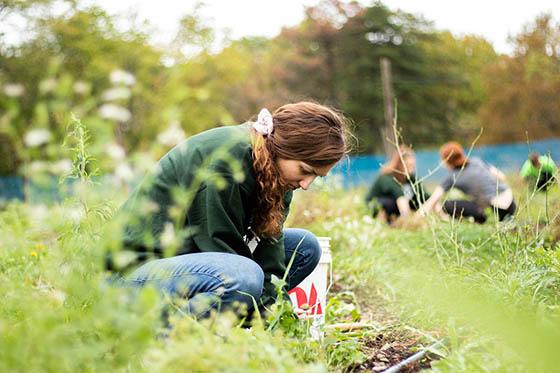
(264,124)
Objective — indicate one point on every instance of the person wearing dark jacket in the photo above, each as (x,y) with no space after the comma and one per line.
(207,224)
(395,191)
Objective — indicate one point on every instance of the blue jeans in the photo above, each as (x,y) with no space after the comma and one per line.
(215,280)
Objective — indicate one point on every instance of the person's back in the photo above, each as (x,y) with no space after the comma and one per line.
(179,169)
(476,180)
(485,184)
(384,185)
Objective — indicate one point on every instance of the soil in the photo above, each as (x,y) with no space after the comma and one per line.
(386,350)
(392,345)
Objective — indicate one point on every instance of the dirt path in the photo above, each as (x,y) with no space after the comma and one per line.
(393,344)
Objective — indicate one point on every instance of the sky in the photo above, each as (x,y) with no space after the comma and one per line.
(492,19)
(495,20)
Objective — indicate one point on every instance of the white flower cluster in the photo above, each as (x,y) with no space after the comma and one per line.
(116,93)
(115,151)
(124,172)
(114,112)
(37,137)
(81,87)
(173,135)
(119,76)
(110,110)
(169,238)
(60,167)
(13,89)
(47,85)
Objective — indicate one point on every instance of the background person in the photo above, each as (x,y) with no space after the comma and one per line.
(484,184)
(395,191)
(235,240)
(539,171)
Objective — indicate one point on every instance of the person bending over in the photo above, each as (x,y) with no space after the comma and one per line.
(484,184)
(539,171)
(206,225)
(395,191)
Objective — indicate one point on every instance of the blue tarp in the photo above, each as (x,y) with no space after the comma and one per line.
(357,170)
(11,187)
(509,158)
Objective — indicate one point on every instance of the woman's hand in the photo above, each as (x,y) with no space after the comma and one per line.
(403,206)
(432,202)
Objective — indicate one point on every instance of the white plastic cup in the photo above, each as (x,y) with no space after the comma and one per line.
(309,298)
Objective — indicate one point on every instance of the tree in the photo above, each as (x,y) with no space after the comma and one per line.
(523,90)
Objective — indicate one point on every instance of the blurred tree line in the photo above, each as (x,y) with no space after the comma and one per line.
(135,96)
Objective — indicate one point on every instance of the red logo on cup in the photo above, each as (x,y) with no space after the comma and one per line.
(311,304)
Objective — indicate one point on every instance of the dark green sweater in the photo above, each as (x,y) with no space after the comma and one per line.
(385,185)
(205,188)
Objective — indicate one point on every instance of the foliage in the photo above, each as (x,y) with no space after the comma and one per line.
(446,86)
(9,158)
(492,290)
(522,88)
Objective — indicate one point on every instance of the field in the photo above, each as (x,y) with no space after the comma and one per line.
(489,293)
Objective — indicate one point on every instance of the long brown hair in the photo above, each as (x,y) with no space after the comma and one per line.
(395,167)
(303,131)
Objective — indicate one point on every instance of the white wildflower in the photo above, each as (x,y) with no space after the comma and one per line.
(14,89)
(122,77)
(124,172)
(115,151)
(37,137)
(38,212)
(114,112)
(143,162)
(38,166)
(81,87)
(173,135)
(75,214)
(47,85)
(61,167)
(117,93)
(124,258)
(368,219)
(168,237)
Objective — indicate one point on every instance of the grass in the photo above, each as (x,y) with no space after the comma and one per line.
(490,292)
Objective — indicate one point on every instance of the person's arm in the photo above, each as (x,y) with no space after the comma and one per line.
(270,256)
(403,206)
(525,172)
(432,202)
(497,173)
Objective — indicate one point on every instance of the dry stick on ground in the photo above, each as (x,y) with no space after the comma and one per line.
(350,326)
(412,359)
